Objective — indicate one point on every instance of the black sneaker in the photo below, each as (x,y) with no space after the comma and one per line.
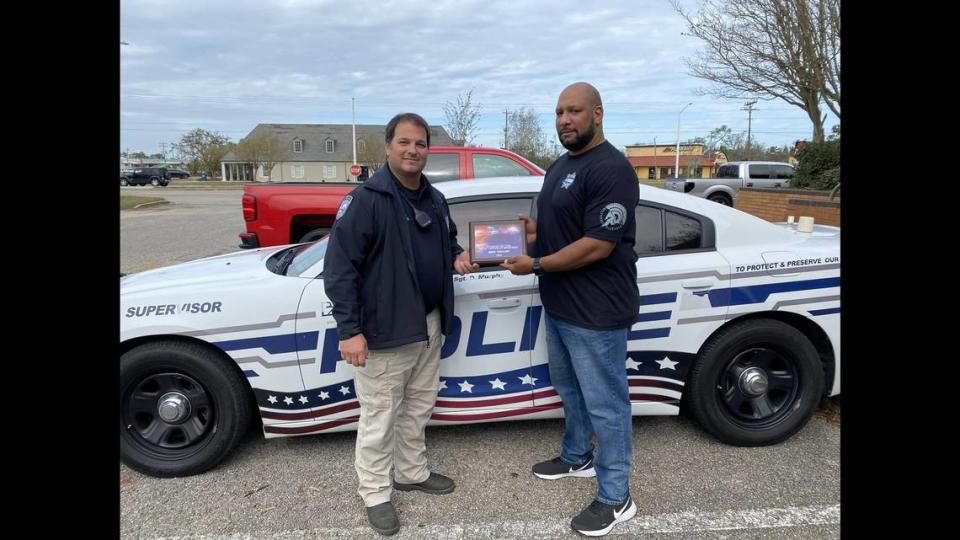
(383,518)
(598,518)
(557,468)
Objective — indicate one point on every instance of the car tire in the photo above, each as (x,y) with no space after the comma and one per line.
(154,181)
(124,182)
(726,392)
(208,408)
(721,198)
(314,234)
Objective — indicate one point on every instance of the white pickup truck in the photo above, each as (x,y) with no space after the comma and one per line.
(733,176)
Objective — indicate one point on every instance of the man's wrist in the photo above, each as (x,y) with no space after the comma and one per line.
(537,269)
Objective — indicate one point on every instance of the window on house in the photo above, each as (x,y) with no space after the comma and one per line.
(296,171)
(330,146)
(265,170)
(361,145)
(651,173)
(298,146)
(329,171)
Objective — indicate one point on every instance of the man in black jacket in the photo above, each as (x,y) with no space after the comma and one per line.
(388,271)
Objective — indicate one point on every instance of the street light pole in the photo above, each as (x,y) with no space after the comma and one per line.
(676,166)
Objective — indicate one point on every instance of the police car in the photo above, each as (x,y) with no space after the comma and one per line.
(739,322)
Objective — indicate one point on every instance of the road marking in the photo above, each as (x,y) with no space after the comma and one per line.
(684,522)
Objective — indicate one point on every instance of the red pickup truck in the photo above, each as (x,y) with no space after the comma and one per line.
(291,212)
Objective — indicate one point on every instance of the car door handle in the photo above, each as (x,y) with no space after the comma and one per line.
(697,283)
(504,303)
(749,184)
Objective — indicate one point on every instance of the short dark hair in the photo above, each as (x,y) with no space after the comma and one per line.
(413,118)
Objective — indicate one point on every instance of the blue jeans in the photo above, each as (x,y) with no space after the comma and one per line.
(587,370)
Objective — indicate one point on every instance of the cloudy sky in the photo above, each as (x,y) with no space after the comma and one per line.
(228,65)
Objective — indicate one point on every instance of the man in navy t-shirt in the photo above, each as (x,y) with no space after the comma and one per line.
(582,246)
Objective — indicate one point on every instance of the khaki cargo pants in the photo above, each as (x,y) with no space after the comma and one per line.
(397,389)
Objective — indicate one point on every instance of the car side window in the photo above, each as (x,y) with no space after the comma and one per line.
(442,167)
(783,171)
(487,165)
(649,237)
(759,171)
(682,232)
(464,212)
(728,171)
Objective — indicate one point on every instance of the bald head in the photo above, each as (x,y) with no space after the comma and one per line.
(585,91)
(579,118)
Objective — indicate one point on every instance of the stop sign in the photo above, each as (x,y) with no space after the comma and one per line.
(354,170)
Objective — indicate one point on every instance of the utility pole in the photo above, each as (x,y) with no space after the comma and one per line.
(505,111)
(353,112)
(749,108)
(656,170)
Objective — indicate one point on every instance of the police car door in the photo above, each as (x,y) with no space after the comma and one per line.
(485,361)
(677,267)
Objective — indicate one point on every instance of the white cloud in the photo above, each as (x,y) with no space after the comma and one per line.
(230,65)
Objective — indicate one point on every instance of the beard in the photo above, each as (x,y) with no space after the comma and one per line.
(581,140)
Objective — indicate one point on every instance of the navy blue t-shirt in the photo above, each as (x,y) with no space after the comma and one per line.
(593,194)
(427,245)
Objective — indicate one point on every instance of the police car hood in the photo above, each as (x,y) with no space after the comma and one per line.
(211,272)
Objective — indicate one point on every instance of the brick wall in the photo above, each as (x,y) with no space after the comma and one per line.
(777,204)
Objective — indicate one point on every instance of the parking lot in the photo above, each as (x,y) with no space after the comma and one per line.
(685,483)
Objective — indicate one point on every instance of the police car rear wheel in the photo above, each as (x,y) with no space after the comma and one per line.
(124,182)
(755,383)
(183,408)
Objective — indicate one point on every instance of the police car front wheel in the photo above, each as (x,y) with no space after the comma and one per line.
(755,383)
(183,408)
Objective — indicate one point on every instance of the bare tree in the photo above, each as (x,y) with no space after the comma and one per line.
(371,153)
(462,118)
(202,150)
(262,150)
(770,49)
(525,136)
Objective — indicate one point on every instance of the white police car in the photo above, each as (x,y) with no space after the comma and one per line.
(739,320)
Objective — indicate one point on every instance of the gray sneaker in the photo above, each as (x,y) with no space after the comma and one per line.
(435,484)
(383,518)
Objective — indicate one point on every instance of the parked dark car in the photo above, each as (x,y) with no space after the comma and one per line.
(141,177)
(177,173)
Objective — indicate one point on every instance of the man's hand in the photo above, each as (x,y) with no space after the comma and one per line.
(519,265)
(531,227)
(354,350)
(463,265)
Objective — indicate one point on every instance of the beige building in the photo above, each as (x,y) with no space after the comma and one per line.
(657,161)
(316,152)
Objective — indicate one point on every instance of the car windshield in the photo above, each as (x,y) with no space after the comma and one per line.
(309,255)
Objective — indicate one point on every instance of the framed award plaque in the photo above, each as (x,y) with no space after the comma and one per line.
(494,241)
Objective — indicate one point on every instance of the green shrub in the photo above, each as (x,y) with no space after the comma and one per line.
(819,166)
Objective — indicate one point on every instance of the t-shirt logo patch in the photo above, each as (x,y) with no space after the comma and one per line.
(568,181)
(343,206)
(613,216)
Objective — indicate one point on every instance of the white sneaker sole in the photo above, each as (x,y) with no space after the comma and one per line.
(630,512)
(586,473)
